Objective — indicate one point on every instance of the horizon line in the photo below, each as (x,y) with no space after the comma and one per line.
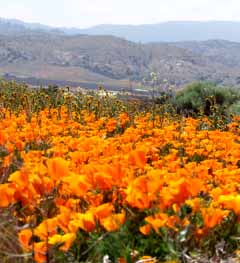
(116,24)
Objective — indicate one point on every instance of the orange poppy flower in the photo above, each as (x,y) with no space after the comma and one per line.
(7,193)
(84,221)
(113,222)
(66,239)
(57,168)
(137,158)
(231,202)
(24,237)
(40,252)
(213,216)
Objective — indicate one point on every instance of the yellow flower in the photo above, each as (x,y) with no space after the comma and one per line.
(67,239)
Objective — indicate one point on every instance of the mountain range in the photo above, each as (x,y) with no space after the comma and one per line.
(168,31)
(174,31)
(121,56)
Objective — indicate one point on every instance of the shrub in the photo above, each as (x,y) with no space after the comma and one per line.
(235,108)
(203,97)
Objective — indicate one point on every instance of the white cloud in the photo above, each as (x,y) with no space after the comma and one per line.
(83,13)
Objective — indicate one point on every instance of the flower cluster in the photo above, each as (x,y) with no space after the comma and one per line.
(62,177)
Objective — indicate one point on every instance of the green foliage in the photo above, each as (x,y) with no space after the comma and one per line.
(203,97)
(235,108)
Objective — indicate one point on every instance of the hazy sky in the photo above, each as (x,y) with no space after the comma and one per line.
(85,13)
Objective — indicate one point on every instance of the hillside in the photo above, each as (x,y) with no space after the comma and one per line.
(220,51)
(49,55)
(88,58)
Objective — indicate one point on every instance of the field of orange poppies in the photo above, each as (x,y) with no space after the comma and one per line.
(124,188)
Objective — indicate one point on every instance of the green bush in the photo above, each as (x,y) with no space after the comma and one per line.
(235,108)
(204,97)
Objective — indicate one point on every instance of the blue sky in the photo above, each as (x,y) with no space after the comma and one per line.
(85,13)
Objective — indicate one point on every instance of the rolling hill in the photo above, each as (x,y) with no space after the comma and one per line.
(33,51)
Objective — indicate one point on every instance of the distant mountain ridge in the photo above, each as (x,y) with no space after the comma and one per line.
(174,31)
(168,31)
(18,27)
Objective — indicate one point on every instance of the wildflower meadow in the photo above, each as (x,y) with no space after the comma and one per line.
(88,178)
